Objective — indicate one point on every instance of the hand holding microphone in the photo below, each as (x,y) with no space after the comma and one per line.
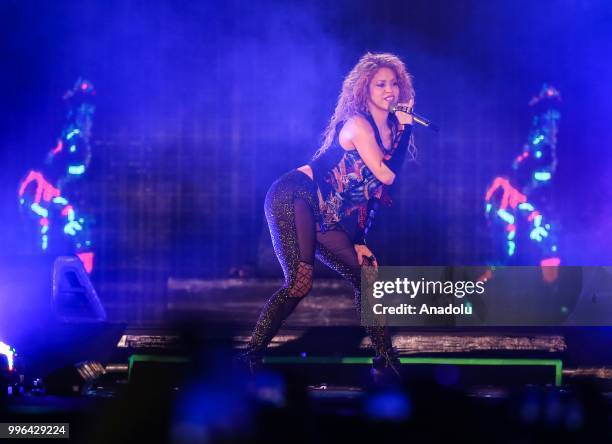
(405,115)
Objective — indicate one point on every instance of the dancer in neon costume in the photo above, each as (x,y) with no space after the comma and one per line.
(41,193)
(516,206)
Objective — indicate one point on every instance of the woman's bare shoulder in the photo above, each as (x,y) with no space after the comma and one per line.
(356,126)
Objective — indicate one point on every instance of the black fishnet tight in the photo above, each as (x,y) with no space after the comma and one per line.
(290,212)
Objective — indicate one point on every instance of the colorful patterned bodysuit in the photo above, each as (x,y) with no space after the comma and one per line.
(345,184)
(294,206)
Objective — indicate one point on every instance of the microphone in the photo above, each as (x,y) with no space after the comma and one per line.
(418,119)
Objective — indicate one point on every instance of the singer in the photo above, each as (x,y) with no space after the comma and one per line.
(363,148)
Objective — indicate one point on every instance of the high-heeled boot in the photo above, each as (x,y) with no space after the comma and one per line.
(386,365)
(276,310)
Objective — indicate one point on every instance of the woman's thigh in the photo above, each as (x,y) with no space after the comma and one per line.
(292,224)
(336,250)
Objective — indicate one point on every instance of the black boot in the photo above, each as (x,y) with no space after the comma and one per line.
(250,361)
(387,368)
(276,310)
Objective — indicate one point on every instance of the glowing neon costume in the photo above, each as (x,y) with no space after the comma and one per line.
(41,193)
(515,206)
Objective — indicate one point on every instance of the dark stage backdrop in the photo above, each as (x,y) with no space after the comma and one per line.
(201,105)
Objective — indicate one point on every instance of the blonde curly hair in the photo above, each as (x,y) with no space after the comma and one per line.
(353,99)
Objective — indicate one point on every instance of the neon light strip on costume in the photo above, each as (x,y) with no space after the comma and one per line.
(60,200)
(542,176)
(44,190)
(72,133)
(76,169)
(42,212)
(58,147)
(507,217)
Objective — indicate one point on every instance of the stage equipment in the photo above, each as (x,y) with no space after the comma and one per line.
(11,381)
(157,371)
(73,379)
(74,297)
(417,118)
(474,369)
(8,352)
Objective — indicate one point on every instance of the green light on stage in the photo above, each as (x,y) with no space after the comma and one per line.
(556,363)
